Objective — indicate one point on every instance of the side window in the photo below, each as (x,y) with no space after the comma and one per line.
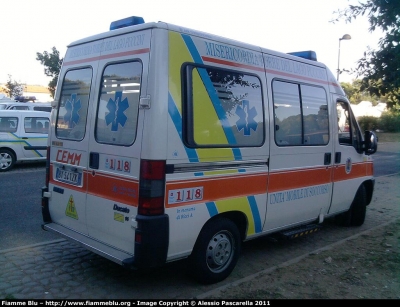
(300,114)
(349,133)
(315,115)
(287,111)
(8,124)
(73,105)
(36,125)
(222,108)
(118,107)
(19,108)
(46,109)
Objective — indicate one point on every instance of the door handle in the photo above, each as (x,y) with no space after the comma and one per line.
(94,160)
(327,158)
(338,157)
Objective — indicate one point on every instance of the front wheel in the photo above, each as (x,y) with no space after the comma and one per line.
(216,251)
(359,207)
(7,160)
(355,216)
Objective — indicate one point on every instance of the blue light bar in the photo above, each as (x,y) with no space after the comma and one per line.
(126,22)
(309,55)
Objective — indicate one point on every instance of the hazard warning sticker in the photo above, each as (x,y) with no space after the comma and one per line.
(71,210)
(119,217)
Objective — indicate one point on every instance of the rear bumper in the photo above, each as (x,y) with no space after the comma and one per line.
(115,255)
(151,242)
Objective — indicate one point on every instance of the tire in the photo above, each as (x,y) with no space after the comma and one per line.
(216,251)
(359,207)
(343,219)
(355,216)
(7,160)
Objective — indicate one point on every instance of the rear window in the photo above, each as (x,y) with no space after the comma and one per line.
(73,106)
(119,104)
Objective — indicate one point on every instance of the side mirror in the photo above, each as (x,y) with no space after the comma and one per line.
(371,142)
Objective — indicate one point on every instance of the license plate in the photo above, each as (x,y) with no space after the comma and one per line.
(71,177)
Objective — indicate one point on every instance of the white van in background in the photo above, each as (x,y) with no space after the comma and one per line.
(33,106)
(23,137)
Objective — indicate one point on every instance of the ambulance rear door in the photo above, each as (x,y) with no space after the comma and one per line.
(115,139)
(69,138)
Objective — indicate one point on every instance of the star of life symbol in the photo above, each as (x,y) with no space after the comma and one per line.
(117,107)
(246,120)
(73,105)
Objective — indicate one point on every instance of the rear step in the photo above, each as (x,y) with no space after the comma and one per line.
(300,231)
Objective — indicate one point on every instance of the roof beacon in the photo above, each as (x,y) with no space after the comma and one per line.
(126,22)
(309,55)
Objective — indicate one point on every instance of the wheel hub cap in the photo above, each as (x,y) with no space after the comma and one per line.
(219,252)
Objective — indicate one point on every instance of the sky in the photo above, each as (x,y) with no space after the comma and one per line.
(31,26)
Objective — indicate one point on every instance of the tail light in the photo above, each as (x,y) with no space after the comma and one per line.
(152,187)
(45,200)
(47,178)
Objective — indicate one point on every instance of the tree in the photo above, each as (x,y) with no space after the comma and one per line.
(13,88)
(379,69)
(52,63)
(356,94)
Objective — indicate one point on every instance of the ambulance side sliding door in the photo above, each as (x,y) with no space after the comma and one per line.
(300,183)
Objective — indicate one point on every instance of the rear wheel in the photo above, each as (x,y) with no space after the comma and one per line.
(7,160)
(216,251)
(355,216)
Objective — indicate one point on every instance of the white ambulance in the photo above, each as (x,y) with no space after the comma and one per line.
(23,137)
(168,143)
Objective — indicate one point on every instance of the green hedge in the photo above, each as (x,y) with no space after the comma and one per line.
(368,123)
(388,122)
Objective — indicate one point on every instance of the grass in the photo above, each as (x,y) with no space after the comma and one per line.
(388,136)
(9,297)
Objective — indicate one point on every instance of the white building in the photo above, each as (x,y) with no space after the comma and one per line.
(41,93)
(365,108)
